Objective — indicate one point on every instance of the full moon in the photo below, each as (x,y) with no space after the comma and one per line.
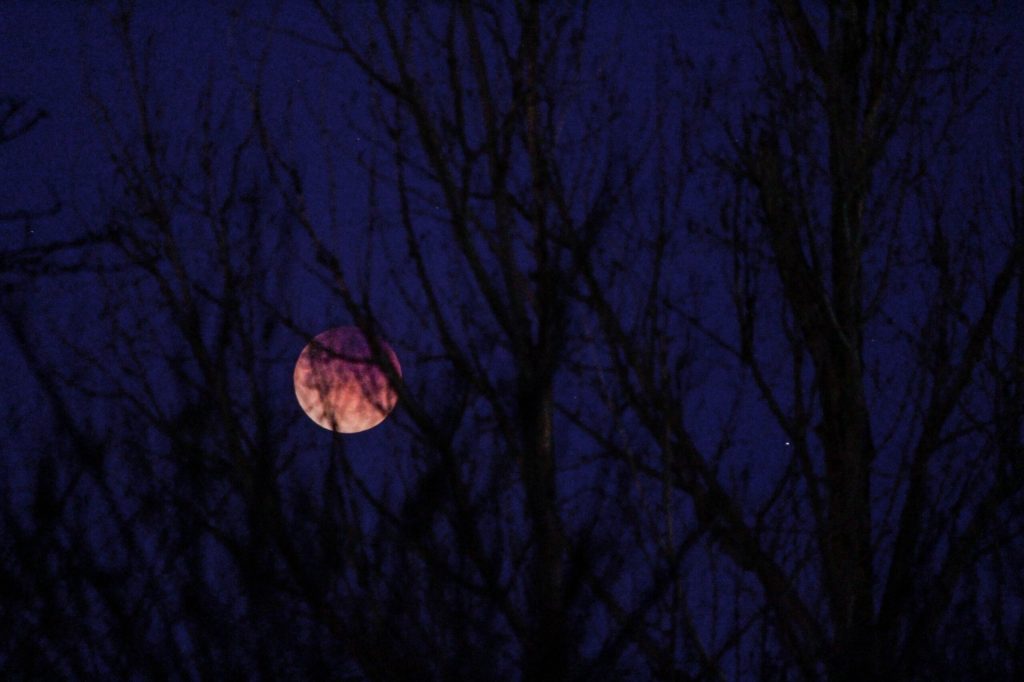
(340,385)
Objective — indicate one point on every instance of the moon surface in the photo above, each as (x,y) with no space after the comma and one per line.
(340,384)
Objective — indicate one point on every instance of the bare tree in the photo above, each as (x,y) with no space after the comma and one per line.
(712,388)
(501,162)
(875,315)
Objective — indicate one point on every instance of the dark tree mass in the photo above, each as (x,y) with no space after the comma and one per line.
(711,327)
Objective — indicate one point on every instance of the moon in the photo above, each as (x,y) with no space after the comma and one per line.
(339,383)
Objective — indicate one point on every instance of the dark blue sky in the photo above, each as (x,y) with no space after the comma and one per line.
(56,53)
(56,56)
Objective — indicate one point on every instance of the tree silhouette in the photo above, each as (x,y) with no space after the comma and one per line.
(722,385)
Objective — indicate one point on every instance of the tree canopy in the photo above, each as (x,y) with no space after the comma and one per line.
(712,363)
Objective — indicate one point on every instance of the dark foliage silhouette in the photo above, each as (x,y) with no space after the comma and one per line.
(724,384)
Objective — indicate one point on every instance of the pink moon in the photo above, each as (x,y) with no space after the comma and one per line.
(340,385)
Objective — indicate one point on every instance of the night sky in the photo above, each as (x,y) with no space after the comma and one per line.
(710,320)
